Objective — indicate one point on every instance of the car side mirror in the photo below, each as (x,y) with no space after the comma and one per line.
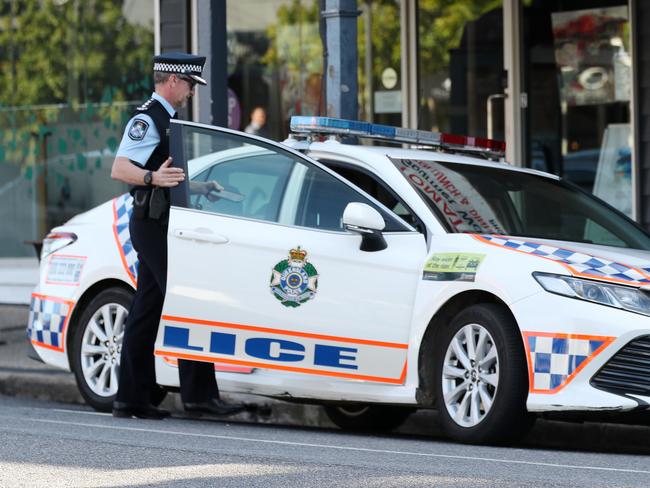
(364,220)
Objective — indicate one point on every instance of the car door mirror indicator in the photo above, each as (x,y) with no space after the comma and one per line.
(364,220)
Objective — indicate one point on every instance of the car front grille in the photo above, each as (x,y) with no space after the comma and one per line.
(628,371)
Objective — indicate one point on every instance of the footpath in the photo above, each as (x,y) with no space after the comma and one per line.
(27,378)
(17,279)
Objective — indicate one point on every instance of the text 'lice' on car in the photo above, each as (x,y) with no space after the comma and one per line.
(373,280)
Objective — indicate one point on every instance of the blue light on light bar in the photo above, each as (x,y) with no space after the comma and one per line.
(300,123)
(383,130)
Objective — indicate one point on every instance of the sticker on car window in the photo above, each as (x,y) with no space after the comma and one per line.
(294,281)
(452,266)
(464,208)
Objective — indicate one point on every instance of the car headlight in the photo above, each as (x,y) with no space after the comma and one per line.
(623,297)
(56,241)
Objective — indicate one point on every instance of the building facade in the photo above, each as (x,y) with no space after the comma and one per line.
(565,83)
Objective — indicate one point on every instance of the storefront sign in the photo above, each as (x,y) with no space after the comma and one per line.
(389,78)
(588,46)
(388,102)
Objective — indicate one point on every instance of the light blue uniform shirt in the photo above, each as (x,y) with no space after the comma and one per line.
(140,136)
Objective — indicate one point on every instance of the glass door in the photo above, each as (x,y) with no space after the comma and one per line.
(577,76)
(460,67)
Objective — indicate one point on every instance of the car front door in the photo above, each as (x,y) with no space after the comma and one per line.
(263,275)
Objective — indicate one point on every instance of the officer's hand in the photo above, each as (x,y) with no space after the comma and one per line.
(167,176)
(213,186)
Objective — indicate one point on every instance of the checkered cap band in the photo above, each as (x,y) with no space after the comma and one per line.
(553,360)
(582,263)
(178,68)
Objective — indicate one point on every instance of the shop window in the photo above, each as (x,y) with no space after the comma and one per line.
(71,73)
(460,59)
(379,50)
(577,73)
(275,63)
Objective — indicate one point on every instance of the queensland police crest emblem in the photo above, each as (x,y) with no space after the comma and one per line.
(294,280)
(138,129)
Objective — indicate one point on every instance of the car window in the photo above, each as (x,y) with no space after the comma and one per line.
(263,182)
(322,198)
(253,176)
(259,180)
(378,189)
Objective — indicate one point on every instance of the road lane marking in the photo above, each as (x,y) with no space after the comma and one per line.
(338,448)
(84,412)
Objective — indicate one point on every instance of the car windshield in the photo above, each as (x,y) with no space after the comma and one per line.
(487,200)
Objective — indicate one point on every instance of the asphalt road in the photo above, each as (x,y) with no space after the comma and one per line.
(48,444)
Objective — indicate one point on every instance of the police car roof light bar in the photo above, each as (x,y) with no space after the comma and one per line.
(330,125)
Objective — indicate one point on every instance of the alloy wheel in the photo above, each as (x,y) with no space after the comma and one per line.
(470,375)
(101,346)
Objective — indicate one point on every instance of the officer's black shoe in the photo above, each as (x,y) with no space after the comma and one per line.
(126,410)
(213,407)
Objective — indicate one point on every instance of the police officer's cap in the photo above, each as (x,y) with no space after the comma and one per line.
(182,64)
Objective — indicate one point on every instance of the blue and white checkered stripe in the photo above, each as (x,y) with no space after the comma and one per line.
(582,263)
(47,321)
(123,209)
(553,360)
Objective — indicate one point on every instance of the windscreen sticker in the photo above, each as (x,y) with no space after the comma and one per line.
(452,266)
(462,206)
(294,281)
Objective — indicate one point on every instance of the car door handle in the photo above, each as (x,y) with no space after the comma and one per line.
(200,234)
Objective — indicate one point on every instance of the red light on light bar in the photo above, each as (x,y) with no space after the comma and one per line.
(478,142)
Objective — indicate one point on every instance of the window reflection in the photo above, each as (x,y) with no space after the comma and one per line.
(275,60)
(71,73)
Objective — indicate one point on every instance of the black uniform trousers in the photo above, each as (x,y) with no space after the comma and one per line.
(137,385)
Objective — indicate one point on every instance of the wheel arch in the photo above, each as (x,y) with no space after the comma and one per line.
(90,293)
(425,390)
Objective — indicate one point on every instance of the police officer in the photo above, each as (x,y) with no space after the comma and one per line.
(143,161)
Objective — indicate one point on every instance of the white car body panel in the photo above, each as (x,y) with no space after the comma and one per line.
(219,282)
(375,303)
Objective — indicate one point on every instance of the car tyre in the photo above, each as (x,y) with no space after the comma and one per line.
(481,377)
(97,345)
(363,417)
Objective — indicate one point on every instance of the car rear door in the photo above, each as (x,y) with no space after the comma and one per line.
(266,277)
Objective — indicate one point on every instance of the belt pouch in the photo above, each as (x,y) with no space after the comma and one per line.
(158,204)
(141,204)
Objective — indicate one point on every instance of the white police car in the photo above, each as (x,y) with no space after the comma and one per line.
(373,280)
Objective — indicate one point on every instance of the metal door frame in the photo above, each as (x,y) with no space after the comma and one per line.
(515,98)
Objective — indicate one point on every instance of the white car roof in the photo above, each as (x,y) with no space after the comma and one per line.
(363,152)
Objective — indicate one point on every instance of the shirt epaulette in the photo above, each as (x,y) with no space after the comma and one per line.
(145,106)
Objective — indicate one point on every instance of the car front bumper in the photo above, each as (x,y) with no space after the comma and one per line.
(574,351)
